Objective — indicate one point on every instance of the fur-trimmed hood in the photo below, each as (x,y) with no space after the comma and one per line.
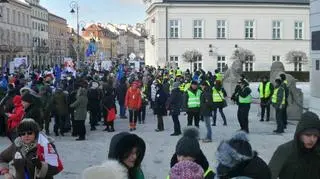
(109,169)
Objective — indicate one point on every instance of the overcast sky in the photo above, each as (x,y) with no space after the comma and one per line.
(114,11)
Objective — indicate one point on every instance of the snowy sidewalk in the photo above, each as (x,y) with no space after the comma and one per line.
(78,155)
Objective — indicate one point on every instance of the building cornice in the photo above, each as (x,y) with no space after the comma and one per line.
(20,3)
(56,16)
(228,5)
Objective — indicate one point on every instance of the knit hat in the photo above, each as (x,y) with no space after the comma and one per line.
(175,85)
(110,169)
(27,97)
(186,170)
(189,145)
(27,125)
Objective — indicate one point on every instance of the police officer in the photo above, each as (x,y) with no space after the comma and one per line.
(278,102)
(245,100)
(284,84)
(218,76)
(192,103)
(265,90)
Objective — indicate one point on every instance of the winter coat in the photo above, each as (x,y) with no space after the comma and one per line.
(153,91)
(292,161)
(121,144)
(206,102)
(175,102)
(121,93)
(80,105)
(217,105)
(21,156)
(108,102)
(94,98)
(60,103)
(133,99)
(34,112)
(160,103)
(200,160)
(17,114)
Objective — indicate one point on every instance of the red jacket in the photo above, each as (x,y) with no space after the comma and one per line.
(17,114)
(133,99)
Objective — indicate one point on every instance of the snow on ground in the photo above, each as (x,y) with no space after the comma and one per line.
(77,155)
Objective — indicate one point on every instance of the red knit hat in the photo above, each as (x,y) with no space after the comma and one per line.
(186,170)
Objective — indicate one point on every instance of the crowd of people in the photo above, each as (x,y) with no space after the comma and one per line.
(29,104)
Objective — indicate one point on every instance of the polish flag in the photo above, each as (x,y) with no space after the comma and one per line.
(47,153)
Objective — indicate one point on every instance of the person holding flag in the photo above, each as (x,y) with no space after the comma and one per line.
(33,154)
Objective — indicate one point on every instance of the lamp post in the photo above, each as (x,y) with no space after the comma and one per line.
(75,9)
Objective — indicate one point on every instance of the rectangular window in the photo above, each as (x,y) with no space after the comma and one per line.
(317,65)
(298,30)
(221,63)
(19,18)
(13,16)
(276,58)
(197,29)
(248,65)
(221,29)
(174,28)
(174,60)
(1,13)
(276,30)
(249,29)
(198,64)
(298,64)
(8,15)
(23,19)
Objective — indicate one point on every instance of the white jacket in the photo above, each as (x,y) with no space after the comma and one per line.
(110,169)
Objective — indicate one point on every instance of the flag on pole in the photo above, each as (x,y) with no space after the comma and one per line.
(47,153)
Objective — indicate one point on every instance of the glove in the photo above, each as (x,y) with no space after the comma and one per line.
(36,162)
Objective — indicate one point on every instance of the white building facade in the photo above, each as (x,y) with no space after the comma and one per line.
(15,30)
(40,35)
(315,55)
(270,29)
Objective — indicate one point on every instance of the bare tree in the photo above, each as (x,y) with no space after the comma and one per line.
(296,57)
(241,54)
(191,56)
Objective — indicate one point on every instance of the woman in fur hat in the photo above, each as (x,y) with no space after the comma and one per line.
(23,154)
(188,149)
(129,150)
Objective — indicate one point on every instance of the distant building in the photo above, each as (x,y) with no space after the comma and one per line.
(270,29)
(58,40)
(39,33)
(315,55)
(15,30)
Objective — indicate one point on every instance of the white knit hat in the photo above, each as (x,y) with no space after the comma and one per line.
(109,169)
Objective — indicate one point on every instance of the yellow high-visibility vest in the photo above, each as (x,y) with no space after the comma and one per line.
(266,91)
(275,96)
(217,96)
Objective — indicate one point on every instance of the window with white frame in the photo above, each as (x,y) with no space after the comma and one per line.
(1,13)
(248,65)
(276,30)
(298,30)
(197,29)
(174,28)
(198,64)
(221,63)
(174,60)
(221,29)
(298,64)
(249,29)
(275,58)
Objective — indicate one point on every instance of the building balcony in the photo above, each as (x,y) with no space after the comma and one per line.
(42,49)
(11,48)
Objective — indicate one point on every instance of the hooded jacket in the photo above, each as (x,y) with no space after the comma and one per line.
(292,161)
(17,114)
(123,143)
(237,159)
